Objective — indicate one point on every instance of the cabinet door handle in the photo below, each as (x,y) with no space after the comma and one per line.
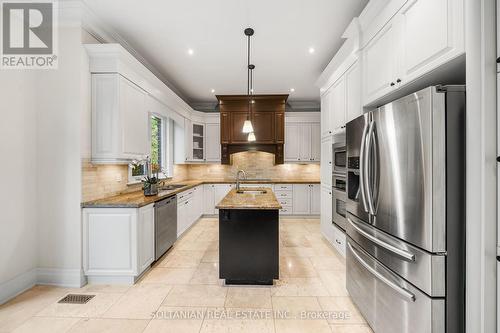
(398,81)
(392,84)
(498,60)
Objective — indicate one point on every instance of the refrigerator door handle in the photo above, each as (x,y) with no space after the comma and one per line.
(400,290)
(402,253)
(369,196)
(362,163)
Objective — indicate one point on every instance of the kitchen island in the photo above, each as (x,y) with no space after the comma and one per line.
(249,236)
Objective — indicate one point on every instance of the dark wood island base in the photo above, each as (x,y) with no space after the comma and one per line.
(248,246)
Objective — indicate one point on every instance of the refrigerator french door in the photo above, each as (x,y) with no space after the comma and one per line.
(406,213)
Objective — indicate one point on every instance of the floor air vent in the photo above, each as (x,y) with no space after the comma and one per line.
(76,299)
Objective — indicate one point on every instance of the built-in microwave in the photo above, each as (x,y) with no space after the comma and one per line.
(339,158)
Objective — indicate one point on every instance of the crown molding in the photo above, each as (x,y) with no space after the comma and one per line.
(106,34)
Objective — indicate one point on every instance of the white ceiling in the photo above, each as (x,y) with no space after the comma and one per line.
(162,31)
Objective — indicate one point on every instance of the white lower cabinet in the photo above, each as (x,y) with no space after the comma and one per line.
(118,243)
(221,190)
(189,208)
(339,240)
(209,199)
(326,213)
(315,196)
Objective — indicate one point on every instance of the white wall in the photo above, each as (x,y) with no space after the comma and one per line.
(61,102)
(18,195)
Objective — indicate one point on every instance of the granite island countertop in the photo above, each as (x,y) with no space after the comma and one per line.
(250,200)
(137,199)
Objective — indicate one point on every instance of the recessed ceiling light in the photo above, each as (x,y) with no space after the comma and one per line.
(311,50)
(190,51)
(212,91)
(292,89)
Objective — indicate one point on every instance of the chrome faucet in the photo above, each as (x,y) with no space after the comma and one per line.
(238,178)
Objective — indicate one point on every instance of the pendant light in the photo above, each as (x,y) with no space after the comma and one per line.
(247,125)
(251,135)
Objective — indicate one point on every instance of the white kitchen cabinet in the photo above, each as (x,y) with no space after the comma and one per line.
(146,237)
(305,143)
(423,35)
(326,161)
(212,143)
(120,120)
(353,92)
(118,243)
(209,199)
(338,104)
(292,142)
(315,199)
(306,199)
(339,240)
(315,142)
(221,190)
(432,33)
(198,142)
(183,142)
(302,142)
(326,214)
(326,123)
(380,63)
(301,199)
(189,208)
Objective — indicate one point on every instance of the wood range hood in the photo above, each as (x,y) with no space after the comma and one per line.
(268,120)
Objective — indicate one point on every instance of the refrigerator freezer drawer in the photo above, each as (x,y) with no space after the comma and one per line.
(424,270)
(389,303)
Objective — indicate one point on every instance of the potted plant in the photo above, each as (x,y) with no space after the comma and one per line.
(150,185)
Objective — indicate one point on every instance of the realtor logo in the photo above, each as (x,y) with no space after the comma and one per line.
(28,35)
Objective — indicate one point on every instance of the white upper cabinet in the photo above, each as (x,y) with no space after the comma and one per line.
(212,143)
(326,124)
(302,138)
(421,36)
(380,60)
(338,104)
(315,142)
(119,120)
(432,33)
(353,92)
(292,141)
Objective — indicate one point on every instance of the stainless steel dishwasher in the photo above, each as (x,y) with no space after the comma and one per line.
(165,225)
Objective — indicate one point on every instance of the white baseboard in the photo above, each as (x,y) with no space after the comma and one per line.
(72,278)
(17,285)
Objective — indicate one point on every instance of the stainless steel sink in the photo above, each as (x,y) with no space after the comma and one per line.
(171,187)
(251,191)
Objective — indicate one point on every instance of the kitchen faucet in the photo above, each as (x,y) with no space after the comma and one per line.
(238,178)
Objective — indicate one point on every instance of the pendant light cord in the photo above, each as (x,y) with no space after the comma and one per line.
(248,77)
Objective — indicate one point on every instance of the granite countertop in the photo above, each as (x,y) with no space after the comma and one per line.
(137,199)
(250,200)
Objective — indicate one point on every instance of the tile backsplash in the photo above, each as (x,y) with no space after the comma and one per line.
(101,181)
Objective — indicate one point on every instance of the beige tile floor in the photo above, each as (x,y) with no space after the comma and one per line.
(182,293)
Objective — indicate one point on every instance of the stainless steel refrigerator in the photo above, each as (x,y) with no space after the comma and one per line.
(406,213)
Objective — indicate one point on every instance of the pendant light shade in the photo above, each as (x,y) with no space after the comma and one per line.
(251,137)
(247,126)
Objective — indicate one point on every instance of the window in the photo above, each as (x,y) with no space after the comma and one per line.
(159,151)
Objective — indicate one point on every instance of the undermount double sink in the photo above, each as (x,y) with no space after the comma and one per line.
(250,191)
(171,187)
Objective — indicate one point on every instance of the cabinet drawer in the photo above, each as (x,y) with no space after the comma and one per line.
(286,210)
(339,241)
(285,201)
(284,194)
(283,187)
(185,195)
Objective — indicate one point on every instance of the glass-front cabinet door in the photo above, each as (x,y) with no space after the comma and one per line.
(198,142)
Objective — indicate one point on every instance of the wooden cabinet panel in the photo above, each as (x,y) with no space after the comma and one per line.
(236,133)
(263,124)
(279,121)
(292,142)
(305,143)
(353,92)
(224,128)
(301,199)
(315,142)
(212,149)
(315,199)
